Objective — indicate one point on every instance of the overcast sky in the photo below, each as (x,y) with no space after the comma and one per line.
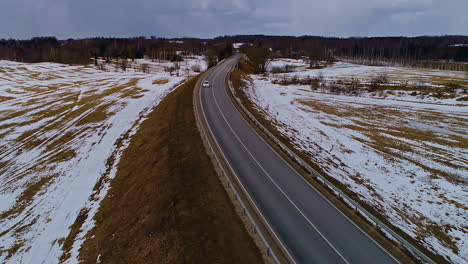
(210,18)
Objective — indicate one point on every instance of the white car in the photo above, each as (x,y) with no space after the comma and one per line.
(206,84)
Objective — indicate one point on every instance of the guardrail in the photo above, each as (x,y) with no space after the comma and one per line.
(353,204)
(198,108)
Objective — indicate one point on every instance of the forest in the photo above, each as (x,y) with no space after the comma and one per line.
(424,51)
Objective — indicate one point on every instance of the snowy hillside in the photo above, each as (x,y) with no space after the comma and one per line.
(407,159)
(62,131)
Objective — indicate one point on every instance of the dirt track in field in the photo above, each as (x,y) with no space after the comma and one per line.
(166,204)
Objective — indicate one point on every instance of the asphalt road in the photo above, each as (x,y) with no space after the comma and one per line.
(311,229)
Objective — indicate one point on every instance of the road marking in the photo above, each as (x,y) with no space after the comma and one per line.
(312,187)
(242,186)
(273,181)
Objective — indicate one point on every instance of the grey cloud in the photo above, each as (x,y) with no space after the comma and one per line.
(209,18)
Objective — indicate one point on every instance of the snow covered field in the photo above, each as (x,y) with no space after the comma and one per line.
(398,78)
(409,160)
(62,131)
(401,74)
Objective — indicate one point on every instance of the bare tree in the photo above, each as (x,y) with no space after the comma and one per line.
(377,81)
(144,67)
(169,69)
(211,58)
(259,56)
(320,77)
(101,67)
(353,87)
(282,69)
(177,67)
(315,56)
(123,64)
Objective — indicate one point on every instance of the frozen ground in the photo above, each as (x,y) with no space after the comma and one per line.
(409,160)
(156,66)
(397,74)
(402,81)
(62,131)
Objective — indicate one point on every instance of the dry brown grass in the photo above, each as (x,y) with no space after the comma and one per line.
(95,102)
(71,115)
(416,84)
(381,126)
(98,114)
(26,197)
(161,81)
(11,251)
(166,204)
(63,155)
(132,93)
(67,242)
(5,98)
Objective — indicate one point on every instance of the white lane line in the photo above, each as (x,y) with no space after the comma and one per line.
(317,191)
(273,232)
(273,181)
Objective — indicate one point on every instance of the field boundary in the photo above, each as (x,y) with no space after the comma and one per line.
(387,231)
(269,244)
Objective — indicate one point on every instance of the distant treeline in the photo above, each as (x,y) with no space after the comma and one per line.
(415,48)
(415,51)
(82,51)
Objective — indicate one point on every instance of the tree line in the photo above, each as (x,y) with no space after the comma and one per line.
(418,48)
(86,51)
(440,52)
(424,51)
(82,51)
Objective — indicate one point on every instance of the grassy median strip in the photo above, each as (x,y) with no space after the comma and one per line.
(166,203)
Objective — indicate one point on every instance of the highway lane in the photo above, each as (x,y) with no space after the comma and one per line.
(311,229)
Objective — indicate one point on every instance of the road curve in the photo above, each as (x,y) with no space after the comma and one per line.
(311,229)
